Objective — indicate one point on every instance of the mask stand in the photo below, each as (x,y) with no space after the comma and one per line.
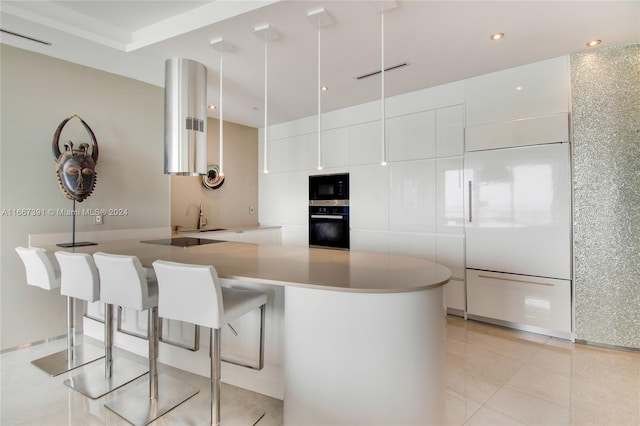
(73,233)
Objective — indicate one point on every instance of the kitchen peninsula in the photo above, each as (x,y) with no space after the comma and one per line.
(362,340)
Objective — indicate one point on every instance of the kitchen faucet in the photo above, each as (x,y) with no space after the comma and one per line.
(201,219)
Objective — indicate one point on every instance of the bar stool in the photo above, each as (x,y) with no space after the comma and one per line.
(80,277)
(124,282)
(43,271)
(192,293)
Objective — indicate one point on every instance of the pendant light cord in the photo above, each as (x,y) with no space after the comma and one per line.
(266,123)
(221,124)
(382,100)
(319,101)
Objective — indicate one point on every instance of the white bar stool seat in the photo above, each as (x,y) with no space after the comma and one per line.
(192,293)
(125,283)
(43,270)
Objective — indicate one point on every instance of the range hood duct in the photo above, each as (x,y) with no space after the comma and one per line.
(185,117)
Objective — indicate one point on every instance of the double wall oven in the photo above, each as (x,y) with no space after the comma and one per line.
(329,211)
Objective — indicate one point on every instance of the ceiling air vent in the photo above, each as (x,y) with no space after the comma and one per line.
(391,68)
(25,37)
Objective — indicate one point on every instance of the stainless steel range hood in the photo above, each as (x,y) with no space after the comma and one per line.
(185,117)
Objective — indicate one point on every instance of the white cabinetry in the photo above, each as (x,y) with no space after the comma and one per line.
(455,297)
(532,303)
(365,143)
(519,219)
(412,196)
(533,90)
(518,197)
(335,147)
(518,222)
(450,253)
(412,206)
(417,245)
(449,195)
(412,137)
(368,195)
(450,131)
(522,132)
(291,154)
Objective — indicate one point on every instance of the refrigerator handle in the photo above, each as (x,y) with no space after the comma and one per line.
(470,209)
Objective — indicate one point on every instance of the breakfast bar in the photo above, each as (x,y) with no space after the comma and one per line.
(352,338)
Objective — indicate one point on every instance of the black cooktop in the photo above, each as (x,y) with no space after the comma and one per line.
(182,241)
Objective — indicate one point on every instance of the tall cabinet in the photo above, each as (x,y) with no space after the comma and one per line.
(518,198)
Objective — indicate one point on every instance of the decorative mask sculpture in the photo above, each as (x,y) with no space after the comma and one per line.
(76,167)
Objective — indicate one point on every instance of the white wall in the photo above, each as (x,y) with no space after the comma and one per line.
(38,92)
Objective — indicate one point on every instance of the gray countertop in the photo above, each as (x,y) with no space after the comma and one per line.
(316,268)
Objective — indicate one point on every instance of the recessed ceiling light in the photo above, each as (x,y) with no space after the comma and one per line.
(594,43)
(496,36)
(519,88)
(324,88)
(211,106)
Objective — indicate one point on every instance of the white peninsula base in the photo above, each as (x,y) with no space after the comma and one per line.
(364,359)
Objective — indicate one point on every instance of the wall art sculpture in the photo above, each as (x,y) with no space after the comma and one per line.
(75,167)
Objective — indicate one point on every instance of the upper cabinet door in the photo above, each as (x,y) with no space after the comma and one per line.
(335,147)
(450,131)
(293,154)
(526,131)
(365,145)
(533,90)
(412,137)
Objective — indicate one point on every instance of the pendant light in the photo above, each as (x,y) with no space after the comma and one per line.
(385,5)
(319,18)
(267,34)
(185,117)
(221,46)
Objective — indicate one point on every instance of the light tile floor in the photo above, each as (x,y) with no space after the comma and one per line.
(498,376)
(495,376)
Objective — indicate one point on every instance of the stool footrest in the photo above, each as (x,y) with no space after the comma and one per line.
(59,362)
(137,408)
(93,383)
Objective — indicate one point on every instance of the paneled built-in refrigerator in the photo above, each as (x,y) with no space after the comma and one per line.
(518,237)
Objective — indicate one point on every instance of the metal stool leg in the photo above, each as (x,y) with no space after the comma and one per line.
(71,328)
(214,348)
(73,356)
(108,341)
(95,383)
(145,403)
(153,353)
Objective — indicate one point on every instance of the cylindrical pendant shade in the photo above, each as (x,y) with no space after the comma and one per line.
(185,117)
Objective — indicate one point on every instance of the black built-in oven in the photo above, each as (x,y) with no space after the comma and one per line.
(329,226)
(329,211)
